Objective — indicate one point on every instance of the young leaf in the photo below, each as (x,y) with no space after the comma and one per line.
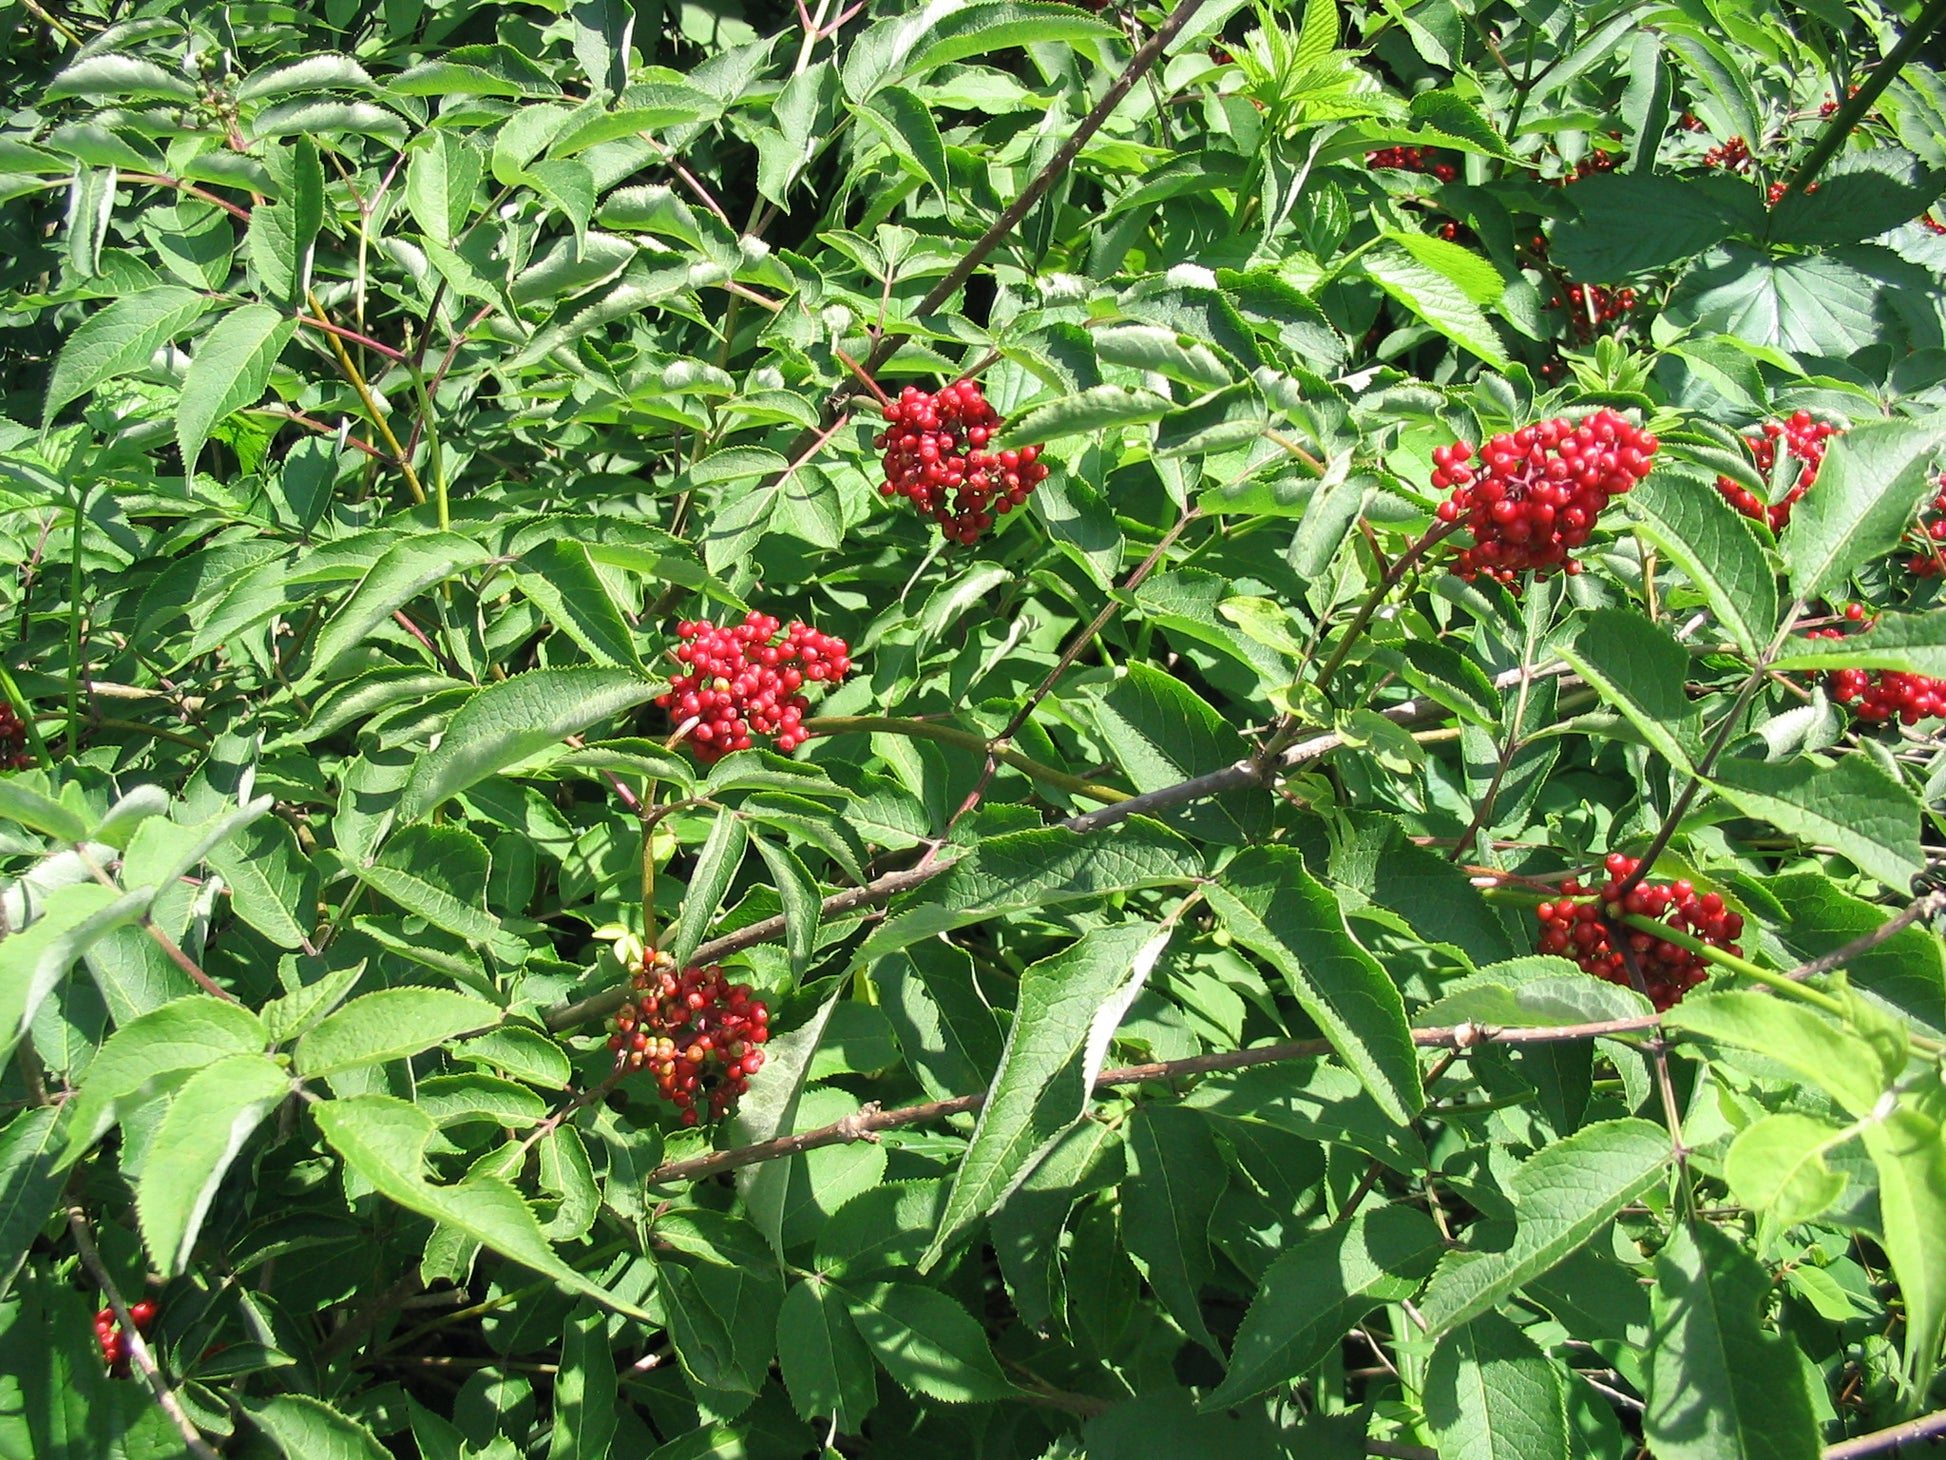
(1719,1387)
(207,1123)
(927,1342)
(1315,1291)
(227,372)
(1562,1196)
(1492,1395)
(387,1025)
(505,723)
(1278,910)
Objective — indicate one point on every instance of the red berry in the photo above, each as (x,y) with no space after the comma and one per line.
(705,1035)
(740,682)
(1928,536)
(1804,440)
(1572,927)
(1537,491)
(1732,156)
(935,456)
(13,740)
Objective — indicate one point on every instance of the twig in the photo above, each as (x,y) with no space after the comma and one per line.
(867,1124)
(138,1348)
(1879,1441)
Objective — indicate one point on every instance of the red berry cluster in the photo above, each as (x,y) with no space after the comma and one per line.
(1803,439)
(114,1344)
(1413,159)
(697,1033)
(1931,224)
(1691,122)
(1886,694)
(1573,927)
(1537,491)
(1590,306)
(740,682)
(1731,156)
(1774,194)
(13,740)
(1830,106)
(1594,162)
(935,454)
(1929,537)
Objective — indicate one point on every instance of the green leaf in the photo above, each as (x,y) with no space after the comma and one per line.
(208,1121)
(1430,297)
(945,1029)
(228,372)
(1041,1086)
(1716,547)
(1776,1168)
(1040,868)
(1873,479)
(1718,1386)
(918,42)
(271,885)
(1161,732)
(384,1140)
(1629,224)
(928,1343)
(118,340)
(908,128)
(440,873)
(1492,1395)
(505,723)
(1278,910)
(716,868)
(1472,275)
(185,1034)
(1803,1041)
(1641,671)
(20,802)
(35,959)
(1912,643)
(408,568)
(282,234)
(304,1428)
(1858,195)
(585,1389)
(1853,807)
(1562,1196)
(798,892)
(1317,1290)
(724,1321)
(1098,408)
(1909,1150)
(123,77)
(561,579)
(1448,113)
(390,1024)
(30,1183)
(1166,1209)
(439,184)
(827,1367)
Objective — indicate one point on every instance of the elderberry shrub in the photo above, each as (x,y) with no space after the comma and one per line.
(1537,492)
(1574,928)
(742,681)
(1880,696)
(1803,439)
(936,458)
(698,1034)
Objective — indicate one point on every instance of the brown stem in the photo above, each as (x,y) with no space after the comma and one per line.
(138,1348)
(1879,1441)
(869,1121)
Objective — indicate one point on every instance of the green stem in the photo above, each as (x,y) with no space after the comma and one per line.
(434,459)
(74,620)
(1854,107)
(965,740)
(26,717)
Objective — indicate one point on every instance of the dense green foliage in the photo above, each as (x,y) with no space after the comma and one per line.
(1149,926)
